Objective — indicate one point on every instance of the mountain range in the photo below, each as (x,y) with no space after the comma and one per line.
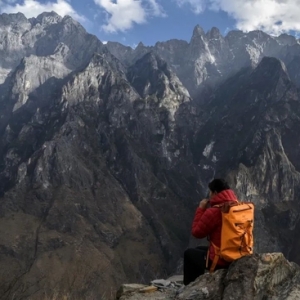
(106,151)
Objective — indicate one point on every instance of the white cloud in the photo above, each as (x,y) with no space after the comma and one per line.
(32,8)
(123,14)
(155,9)
(272,16)
(198,6)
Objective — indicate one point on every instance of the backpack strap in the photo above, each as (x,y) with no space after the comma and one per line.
(216,258)
(226,206)
(207,259)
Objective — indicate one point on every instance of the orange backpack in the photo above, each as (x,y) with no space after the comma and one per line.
(237,232)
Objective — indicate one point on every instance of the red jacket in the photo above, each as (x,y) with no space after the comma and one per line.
(208,222)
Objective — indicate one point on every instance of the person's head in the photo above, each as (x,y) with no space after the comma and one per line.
(217,186)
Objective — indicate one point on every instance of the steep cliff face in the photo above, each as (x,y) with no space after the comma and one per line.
(248,135)
(48,34)
(104,154)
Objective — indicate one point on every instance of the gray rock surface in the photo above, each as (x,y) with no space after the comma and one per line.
(265,276)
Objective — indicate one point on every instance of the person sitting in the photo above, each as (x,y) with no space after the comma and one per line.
(207,223)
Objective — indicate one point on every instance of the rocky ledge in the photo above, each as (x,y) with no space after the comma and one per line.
(261,276)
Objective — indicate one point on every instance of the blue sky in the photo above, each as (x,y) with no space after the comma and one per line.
(148,21)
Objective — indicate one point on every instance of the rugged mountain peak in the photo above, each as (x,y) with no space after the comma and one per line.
(151,63)
(271,66)
(115,46)
(171,45)
(234,35)
(214,33)
(286,39)
(198,44)
(139,51)
(43,36)
(198,41)
(262,41)
(219,49)
(121,52)
(267,84)
(94,83)
(151,60)
(107,60)
(210,58)
(47,18)
(247,49)
(69,21)
(198,32)
(7,19)
(140,45)
(151,76)
(258,34)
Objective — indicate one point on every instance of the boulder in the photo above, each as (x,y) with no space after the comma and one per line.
(268,276)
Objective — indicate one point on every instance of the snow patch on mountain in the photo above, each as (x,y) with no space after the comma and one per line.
(208,149)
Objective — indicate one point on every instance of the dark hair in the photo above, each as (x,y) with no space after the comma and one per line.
(218,185)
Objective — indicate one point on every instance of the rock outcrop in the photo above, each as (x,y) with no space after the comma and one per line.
(262,276)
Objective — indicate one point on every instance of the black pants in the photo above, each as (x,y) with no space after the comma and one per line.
(194,264)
